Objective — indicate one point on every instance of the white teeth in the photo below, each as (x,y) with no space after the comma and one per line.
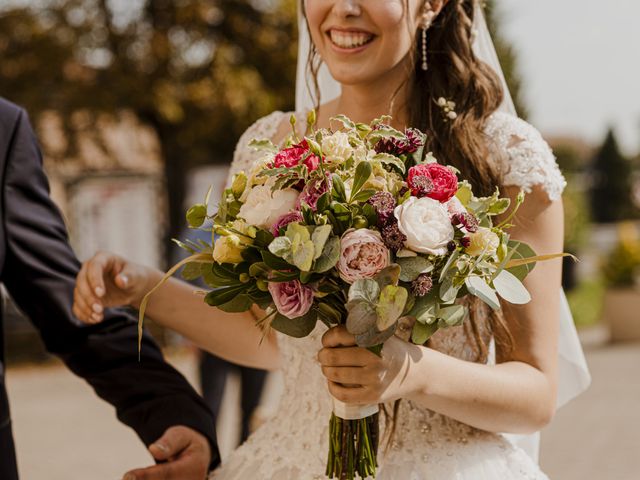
(350,39)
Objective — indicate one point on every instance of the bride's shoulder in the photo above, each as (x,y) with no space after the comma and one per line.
(527,158)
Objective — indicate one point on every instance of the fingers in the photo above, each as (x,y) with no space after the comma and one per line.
(99,266)
(164,471)
(174,441)
(338,337)
(350,395)
(345,375)
(86,306)
(346,357)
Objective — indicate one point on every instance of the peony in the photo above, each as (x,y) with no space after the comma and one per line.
(432,180)
(362,255)
(291,157)
(336,147)
(292,299)
(263,208)
(426,224)
(482,241)
(285,220)
(228,249)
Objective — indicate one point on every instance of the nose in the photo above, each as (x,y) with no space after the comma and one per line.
(348,8)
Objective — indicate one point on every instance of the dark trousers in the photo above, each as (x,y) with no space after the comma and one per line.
(8,467)
(213,376)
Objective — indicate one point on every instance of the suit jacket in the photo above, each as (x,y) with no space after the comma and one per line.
(39,269)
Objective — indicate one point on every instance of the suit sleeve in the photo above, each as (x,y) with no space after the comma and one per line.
(40,271)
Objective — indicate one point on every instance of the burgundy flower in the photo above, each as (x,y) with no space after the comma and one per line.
(443,182)
(422,285)
(409,144)
(313,190)
(285,220)
(465,241)
(392,237)
(467,220)
(384,203)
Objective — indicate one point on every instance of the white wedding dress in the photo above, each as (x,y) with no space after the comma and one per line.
(426,445)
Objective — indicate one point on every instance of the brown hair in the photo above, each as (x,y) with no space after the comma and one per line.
(455,74)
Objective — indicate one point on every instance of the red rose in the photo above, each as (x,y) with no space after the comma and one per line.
(291,157)
(432,180)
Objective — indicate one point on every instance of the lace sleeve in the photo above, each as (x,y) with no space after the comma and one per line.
(243,156)
(529,160)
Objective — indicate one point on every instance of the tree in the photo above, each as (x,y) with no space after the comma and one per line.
(196,71)
(611,183)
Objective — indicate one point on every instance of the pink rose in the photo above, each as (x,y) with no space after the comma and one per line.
(291,157)
(285,220)
(292,299)
(362,255)
(432,180)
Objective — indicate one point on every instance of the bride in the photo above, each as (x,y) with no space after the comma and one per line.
(446,402)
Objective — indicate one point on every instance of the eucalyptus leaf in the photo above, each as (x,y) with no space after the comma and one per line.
(374,337)
(481,289)
(295,327)
(412,267)
(388,276)
(319,238)
(280,247)
(361,316)
(422,332)
(452,315)
(445,270)
(330,256)
(521,250)
(511,288)
(364,289)
(390,305)
(448,290)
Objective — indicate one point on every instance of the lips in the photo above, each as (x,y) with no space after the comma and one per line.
(347,39)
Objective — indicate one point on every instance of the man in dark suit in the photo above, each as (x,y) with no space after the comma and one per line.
(39,269)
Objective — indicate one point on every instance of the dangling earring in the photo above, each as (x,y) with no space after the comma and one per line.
(427,20)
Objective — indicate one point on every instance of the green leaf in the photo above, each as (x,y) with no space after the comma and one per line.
(481,289)
(263,238)
(363,172)
(423,332)
(221,296)
(339,192)
(447,266)
(464,193)
(319,238)
(192,271)
(361,316)
(452,315)
(511,288)
(259,270)
(295,327)
(346,121)
(364,289)
(323,202)
(263,145)
(521,250)
(499,206)
(196,215)
(412,267)
(363,195)
(390,306)
(389,159)
(448,290)
(388,276)
(330,256)
(241,303)
(329,313)
(274,262)
(280,247)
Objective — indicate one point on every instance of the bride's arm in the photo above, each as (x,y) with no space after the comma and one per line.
(108,280)
(517,395)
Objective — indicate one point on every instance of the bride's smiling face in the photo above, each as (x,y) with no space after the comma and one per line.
(362,40)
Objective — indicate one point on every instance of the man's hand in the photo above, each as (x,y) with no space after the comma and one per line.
(186,455)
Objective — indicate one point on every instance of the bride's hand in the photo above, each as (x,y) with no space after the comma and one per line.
(108,280)
(358,376)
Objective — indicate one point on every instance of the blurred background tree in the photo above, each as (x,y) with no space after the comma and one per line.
(197,71)
(611,183)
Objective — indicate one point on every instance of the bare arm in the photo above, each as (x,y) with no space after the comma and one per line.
(517,395)
(108,280)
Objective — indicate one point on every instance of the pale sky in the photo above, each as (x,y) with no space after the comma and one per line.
(580,61)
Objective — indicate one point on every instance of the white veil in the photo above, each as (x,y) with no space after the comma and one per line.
(573,373)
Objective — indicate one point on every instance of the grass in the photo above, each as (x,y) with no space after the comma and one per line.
(586,302)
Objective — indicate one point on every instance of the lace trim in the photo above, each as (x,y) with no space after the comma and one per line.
(530,159)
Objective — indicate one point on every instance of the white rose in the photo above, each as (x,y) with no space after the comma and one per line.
(336,147)
(262,207)
(426,224)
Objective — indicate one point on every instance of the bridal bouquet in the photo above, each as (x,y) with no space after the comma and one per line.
(356,226)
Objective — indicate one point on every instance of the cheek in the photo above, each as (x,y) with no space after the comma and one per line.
(316,13)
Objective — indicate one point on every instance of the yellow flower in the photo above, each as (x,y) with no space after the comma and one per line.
(228,249)
(484,240)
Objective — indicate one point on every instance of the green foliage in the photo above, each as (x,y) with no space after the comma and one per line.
(622,266)
(612,176)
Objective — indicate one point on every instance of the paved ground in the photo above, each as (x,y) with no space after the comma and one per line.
(64,433)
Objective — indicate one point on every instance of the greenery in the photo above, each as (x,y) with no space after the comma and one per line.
(586,300)
(198,72)
(612,176)
(622,266)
